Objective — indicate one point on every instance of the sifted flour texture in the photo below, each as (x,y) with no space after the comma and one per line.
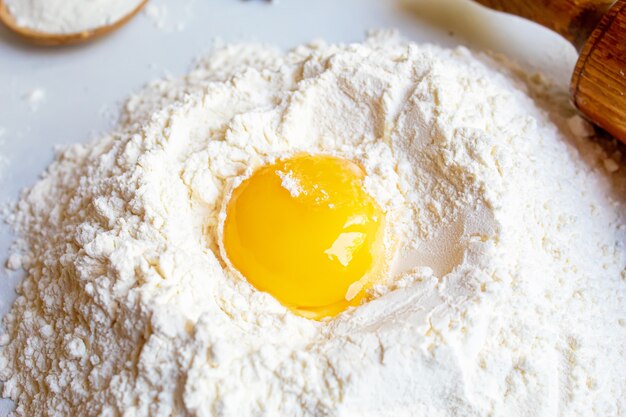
(505,226)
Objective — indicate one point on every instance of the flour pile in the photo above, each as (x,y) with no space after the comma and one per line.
(510,292)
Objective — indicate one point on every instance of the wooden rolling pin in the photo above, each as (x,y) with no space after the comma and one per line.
(597,28)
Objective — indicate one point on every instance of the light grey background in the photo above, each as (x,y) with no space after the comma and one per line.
(84,85)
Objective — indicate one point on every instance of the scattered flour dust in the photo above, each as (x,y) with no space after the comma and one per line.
(157,14)
(34,98)
(68,16)
(169,19)
(509,296)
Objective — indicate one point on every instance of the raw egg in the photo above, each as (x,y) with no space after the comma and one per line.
(305,230)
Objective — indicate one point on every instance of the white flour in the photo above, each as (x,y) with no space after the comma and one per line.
(68,16)
(511,295)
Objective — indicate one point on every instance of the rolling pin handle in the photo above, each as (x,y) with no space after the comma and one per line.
(575,20)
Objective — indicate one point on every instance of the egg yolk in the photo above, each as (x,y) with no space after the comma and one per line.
(305,230)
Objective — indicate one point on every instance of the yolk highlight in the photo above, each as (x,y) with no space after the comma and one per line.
(305,231)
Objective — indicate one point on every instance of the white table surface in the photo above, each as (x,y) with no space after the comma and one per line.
(84,85)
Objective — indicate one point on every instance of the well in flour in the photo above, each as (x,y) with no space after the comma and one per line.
(126,307)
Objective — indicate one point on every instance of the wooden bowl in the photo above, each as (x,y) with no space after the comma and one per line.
(56,39)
